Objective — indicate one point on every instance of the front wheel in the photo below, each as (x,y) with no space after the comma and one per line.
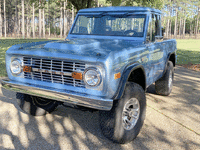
(35,106)
(123,122)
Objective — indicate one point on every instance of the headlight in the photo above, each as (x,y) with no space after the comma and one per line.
(15,67)
(92,77)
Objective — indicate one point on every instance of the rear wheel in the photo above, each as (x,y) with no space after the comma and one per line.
(123,122)
(164,85)
(35,106)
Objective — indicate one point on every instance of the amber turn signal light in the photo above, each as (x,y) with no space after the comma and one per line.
(27,68)
(117,75)
(77,75)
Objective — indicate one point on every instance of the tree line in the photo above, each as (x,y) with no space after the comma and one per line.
(53,18)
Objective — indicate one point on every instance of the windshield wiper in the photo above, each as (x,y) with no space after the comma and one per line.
(98,15)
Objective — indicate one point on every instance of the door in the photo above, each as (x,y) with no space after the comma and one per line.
(155,57)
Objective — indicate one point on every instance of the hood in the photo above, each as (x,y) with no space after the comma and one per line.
(84,48)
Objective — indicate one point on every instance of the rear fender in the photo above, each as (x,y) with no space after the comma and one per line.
(168,59)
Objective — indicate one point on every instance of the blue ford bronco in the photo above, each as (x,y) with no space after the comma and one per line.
(109,58)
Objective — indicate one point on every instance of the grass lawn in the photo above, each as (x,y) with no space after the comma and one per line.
(188,51)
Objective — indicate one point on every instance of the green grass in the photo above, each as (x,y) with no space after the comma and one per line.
(188,51)
(7,43)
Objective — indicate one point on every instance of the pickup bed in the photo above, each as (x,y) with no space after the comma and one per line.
(109,58)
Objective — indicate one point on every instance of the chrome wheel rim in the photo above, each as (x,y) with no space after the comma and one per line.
(130,114)
(170,79)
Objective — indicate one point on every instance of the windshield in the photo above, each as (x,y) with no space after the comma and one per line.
(110,25)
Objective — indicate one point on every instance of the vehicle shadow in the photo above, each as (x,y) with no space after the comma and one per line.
(68,128)
(183,104)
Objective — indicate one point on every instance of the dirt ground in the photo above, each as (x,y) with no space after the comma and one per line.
(172,123)
(195,67)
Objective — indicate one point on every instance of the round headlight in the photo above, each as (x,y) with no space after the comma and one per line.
(15,66)
(92,77)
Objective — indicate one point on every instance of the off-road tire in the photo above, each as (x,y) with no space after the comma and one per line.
(164,85)
(35,106)
(111,122)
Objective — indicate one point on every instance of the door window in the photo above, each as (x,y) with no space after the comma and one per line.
(153,28)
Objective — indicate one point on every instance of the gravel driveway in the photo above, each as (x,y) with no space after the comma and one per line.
(172,122)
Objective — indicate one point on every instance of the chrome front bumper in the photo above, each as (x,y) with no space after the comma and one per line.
(58,94)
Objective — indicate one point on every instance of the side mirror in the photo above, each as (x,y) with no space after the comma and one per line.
(158,38)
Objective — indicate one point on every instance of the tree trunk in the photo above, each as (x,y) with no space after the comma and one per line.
(0,21)
(49,29)
(167,28)
(43,24)
(194,30)
(72,14)
(33,21)
(184,27)
(61,24)
(8,21)
(19,27)
(170,21)
(4,18)
(167,25)
(190,28)
(170,28)
(23,33)
(198,17)
(40,25)
(89,3)
(175,27)
(27,20)
(16,18)
(49,21)
(197,23)
(179,29)
(65,19)
(53,25)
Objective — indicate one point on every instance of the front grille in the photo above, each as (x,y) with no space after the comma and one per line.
(53,70)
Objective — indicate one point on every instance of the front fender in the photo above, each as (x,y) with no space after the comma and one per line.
(126,73)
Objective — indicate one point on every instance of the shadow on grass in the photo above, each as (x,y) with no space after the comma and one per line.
(10,42)
(3,70)
(188,57)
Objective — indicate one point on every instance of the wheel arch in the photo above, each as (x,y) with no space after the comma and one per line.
(132,73)
(171,57)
